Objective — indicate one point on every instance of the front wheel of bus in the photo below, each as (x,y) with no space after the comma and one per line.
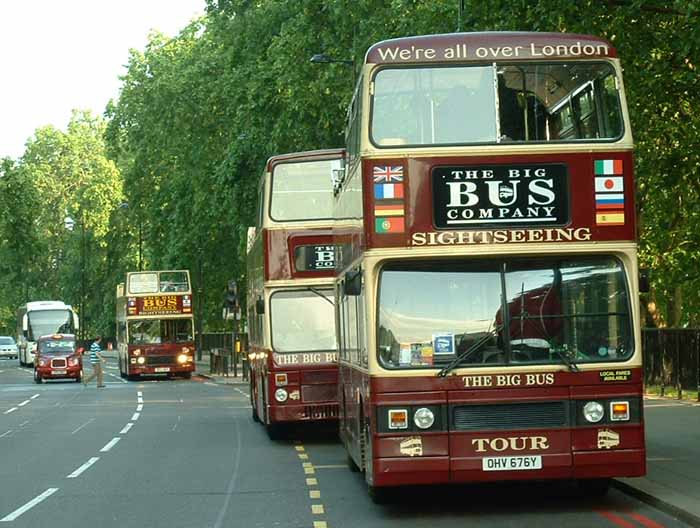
(377,494)
(80,376)
(594,487)
(37,378)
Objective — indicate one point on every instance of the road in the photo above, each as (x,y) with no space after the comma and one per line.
(186,453)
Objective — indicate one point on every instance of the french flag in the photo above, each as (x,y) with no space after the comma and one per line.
(388,191)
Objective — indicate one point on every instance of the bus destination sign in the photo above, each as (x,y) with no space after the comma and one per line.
(163,305)
(466,197)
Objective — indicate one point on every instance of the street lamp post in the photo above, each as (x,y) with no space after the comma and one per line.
(125,205)
(69,224)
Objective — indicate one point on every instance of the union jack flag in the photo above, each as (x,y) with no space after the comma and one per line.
(388,174)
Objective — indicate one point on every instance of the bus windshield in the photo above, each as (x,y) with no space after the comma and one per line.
(46,322)
(577,308)
(460,105)
(302,321)
(302,191)
(157,331)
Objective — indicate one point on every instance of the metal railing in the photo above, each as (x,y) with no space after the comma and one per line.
(672,358)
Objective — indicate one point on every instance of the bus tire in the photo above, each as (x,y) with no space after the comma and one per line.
(351,464)
(594,487)
(80,376)
(253,400)
(37,378)
(187,375)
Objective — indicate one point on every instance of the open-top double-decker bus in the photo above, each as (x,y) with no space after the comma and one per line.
(155,324)
(490,284)
(291,315)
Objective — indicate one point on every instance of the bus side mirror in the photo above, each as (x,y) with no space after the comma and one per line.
(259,307)
(644,281)
(352,286)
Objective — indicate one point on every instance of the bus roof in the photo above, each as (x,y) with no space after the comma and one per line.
(302,156)
(47,305)
(488,46)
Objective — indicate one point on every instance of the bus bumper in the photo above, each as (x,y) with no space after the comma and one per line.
(175,370)
(443,470)
(304,412)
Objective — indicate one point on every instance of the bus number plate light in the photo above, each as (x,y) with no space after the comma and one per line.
(619,411)
(398,419)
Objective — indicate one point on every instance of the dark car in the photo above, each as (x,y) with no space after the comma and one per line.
(57,358)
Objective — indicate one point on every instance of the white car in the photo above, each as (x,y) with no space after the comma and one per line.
(8,347)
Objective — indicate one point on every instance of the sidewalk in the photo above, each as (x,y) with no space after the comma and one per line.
(202,369)
(672,483)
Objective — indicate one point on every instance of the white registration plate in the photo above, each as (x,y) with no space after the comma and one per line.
(511,463)
(58,372)
(162,369)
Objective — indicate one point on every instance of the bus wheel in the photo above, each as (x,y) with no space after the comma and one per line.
(80,377)
(253,399)
(351,464)
(594,487)
(37,378)
(187,375)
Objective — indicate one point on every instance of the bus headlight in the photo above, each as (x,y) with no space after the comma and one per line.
(140,360)
(593,412)
(424,418)
(183,358)
(281,395)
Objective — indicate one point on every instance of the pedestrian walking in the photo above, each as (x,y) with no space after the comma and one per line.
(96,361)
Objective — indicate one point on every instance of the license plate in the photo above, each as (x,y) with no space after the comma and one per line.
(58,372)
(512,463)
(162,369)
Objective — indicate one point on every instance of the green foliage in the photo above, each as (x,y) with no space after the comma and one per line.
(198,115)
(61,174)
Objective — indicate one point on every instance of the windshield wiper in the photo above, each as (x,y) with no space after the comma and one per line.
(314,290)
(469,351)
(566,360)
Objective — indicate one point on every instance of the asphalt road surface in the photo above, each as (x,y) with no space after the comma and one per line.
(186,453)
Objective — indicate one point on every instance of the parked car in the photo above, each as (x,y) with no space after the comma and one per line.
(8,347)
(57,358)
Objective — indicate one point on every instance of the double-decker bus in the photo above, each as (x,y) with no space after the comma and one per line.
(39,318)
(155,324)
(491,280)
(291,267)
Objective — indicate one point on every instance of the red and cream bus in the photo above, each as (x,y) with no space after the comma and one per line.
(488,300)
(155,324)
(290,294)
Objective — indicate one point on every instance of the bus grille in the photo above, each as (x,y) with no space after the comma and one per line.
(58,363)
(320,376)
(510,416)
(160,360)
(319,393)
(319,412)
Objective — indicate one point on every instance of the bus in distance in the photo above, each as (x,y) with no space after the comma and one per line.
(488,322)
(290,270)
(155,324)
(39,318)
